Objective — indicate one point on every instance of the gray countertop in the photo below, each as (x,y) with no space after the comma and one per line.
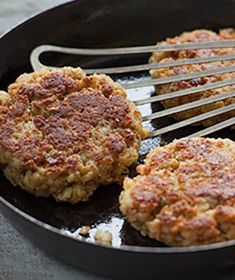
(19,259)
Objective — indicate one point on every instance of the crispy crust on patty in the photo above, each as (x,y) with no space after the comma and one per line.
(185,193)
(192,37)
(63,133)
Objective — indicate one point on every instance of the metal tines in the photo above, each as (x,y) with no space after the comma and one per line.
(36,64)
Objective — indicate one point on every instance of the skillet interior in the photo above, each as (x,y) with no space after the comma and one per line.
(87,24)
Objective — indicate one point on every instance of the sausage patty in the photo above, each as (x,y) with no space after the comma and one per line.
(185,193)
(194,37)
(63,133)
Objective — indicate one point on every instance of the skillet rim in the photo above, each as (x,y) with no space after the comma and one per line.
(54,230)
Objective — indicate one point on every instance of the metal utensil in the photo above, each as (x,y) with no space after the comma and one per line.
(37,64)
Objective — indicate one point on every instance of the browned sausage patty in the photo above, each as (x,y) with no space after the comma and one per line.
(63,133)
(185,193)
(193,37)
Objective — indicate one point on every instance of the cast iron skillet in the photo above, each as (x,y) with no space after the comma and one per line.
(105,23)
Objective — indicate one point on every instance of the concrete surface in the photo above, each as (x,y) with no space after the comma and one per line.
(20,260)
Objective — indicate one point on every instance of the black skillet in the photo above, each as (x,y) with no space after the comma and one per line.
(106,23)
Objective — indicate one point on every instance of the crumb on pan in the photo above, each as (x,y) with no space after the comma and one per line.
(84,230)
(103,237)
(63,133)
(193,37)
(185,193)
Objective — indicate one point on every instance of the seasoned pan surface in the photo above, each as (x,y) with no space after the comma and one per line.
(102,24)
